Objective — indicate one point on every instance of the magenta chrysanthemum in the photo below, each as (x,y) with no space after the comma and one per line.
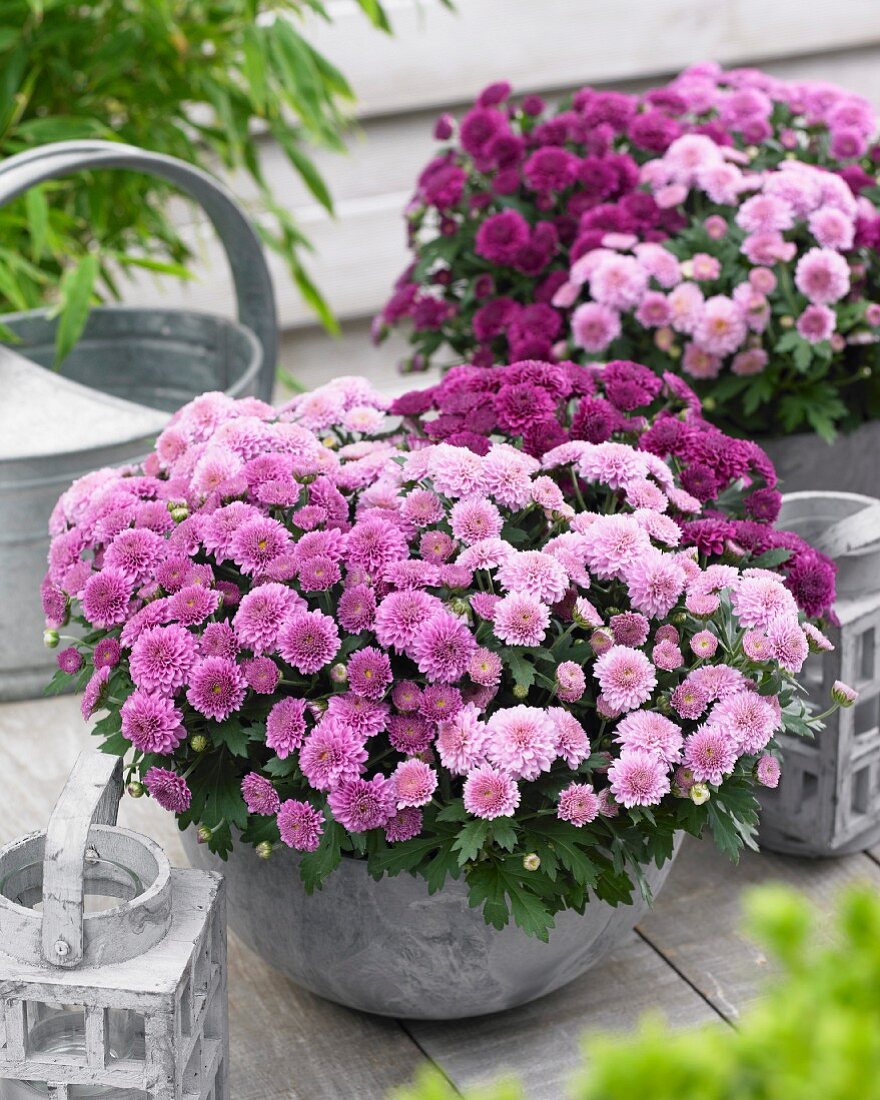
(362,804)
(638,778)
(308,640)
(169,789)
(259,795)
(261,675)
(105,598)
(331,754)
(95,694)
(490,793)
(70,660)
(216,687)
(152,723)
(107,653)
(300,825)
(404,825)
(162,657)
(369,672)
(578,804)
(409,733)
(286,726)
(443,647)
(626,677)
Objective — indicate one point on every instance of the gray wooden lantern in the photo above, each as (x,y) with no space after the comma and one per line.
(112,964)
(828,799)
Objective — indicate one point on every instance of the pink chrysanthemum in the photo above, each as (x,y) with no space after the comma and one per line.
(169,789)
(152,723)
(409,733)
(369,672)
(490,793)
(484,604)
(756,646)
(406,695)
(629,628)
(520,619)
(436,547)
(414,783)
(300,825)
(443,648)
(578,804)
(404,825)
(261,614)
(95,694)
(259,795)
(162,657)
(638,778)
(768,771)
(365,717)
(192,604)
(331,754)
(374,543)
(615,544)
(747,719)
(535,574)
(689,700)
(218,640)
(757,601)
(655,582)
(667,655)
(262,675)
(822,276)
(216,687)
(401,616)
(572,743)
(105,598)
(286,726)
(356,608)
(704,644)
(788,643)
(135,553)
(485,667)
(475,519)
(521,741)
(645,729)
(626,677)
(817,641)
(421,508)
(570,681)
(710,754)
(308,641)
(107,653)
(717,681)
(440,702)
(362,804)
(70,660)
(461,741)
(318,573)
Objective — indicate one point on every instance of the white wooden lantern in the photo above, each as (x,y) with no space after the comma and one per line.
(112,964)
(828,799)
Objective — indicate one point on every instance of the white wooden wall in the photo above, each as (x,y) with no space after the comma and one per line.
(439,60)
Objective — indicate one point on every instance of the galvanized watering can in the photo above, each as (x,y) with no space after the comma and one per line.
(114,392)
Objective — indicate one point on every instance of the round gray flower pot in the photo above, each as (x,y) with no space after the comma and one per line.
(391,948)
(849,464)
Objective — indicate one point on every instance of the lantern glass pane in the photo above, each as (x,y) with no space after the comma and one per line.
(866,715)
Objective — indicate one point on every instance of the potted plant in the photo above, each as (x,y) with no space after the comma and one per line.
(522,194)
(498,673)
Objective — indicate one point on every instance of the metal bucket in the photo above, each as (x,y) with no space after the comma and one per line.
(112,394)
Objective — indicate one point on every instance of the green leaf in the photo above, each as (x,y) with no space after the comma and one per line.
(486,889)
(566,841)
(453,811)
(523,671)
(280,769)
(471,839)
(77,287)
(770,559)
(315,866)
(38,220)
(310,175)
(504,833)
(230,734)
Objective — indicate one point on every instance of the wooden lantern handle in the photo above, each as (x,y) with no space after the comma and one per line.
(90,797)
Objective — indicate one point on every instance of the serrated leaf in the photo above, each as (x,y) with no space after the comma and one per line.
(280,769)
(230,734)
(470,840)
(315,866)
(504,833)
(453,811)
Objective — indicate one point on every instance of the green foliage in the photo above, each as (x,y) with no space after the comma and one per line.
(816,1034)
(189,78)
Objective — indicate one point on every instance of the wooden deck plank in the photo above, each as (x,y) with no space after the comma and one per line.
(697,924)
(287,1044)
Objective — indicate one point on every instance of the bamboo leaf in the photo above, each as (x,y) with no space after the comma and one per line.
(76,296)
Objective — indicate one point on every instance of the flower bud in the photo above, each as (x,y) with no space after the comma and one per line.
(700,793)
(520,691)
(199,743)
(179,513)
(330,442)
(265,849)
(532,861)
(339,674)
(786,321)
(843,694)
(50,639)
(203,834)
(136,790)
(460,607)
(601,640)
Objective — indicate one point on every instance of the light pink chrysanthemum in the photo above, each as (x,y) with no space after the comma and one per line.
(475,519)
(667,655)
(300,825)
(710,754)
(572,743)
(401,615)
(485,667)
(615,544)
(717,681)
(507,473)
(521,741)
(768,771)
(520,619)
(788,643)
(578,804)
(442,648)
(308,640)
(261,614)
(152,723)
(626,677)
(216,687)
(259,795)
(331,754)
(638,778)
(169,789)
(362,804)
(594,326)
(822,276)
(756,646)
(490,793)
(689,700)
(817,641)
(704,644)
(414,783)
(570,681)
(655,582)
(535,573)
(461,741)
(747,719)
(645,729)
(757,601)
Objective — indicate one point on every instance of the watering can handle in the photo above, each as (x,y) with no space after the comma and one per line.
(90,797)
(253,284)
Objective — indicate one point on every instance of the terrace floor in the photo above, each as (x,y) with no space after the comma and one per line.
(687,960)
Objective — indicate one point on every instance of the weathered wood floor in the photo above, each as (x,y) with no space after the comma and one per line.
(688,959)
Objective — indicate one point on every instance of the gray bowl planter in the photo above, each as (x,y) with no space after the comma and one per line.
(391,948)
(806,462)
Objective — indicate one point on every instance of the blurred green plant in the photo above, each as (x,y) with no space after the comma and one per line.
(815,1036)
(190,78)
